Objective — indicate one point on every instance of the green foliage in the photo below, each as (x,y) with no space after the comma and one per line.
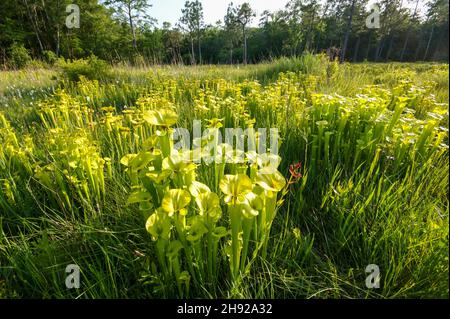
(36,64)
(50,57)
(117,30)
(19,56)
(86,180)
(90,68)
(317,65)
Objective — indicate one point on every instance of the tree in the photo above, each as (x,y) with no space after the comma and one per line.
(131,9)
(310,15)
(348,30)
(293,17)
(275,34)
(108,27)
(394,16)
(359,29)
(33,19)
(244,15)
(332,26)
(192,20)
(231,29)
(405,44)
(172,41)
(437,14)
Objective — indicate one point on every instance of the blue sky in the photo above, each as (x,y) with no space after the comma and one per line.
(213,10)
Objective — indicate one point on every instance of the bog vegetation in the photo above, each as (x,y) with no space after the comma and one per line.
(88,177)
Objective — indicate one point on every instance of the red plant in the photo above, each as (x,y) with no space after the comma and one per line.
(294,170)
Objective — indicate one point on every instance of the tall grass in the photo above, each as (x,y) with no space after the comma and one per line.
(372,140)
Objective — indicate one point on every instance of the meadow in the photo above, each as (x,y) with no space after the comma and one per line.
(88,177)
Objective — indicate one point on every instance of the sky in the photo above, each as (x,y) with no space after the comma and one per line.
(214,10)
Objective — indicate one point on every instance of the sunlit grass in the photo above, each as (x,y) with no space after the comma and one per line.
(372,140)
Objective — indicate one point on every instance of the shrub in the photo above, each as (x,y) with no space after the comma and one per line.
(306,64)
(36,64)
(50,57)
(90,68)
(18,56)
(139,60)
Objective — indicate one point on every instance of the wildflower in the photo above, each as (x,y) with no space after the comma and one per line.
(294,170)
(158,225)
(175,200)
(163,118)
(209,204)
(215,123)
(235,188)
(269,179)
(196,230)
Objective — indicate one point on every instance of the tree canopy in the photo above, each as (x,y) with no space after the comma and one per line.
(123,30)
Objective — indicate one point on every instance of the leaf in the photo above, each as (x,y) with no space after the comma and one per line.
(173,249)
(248,211)
(158,177)
(146,206)
(142,159)
(158,225)
(175,200)
(268,159)
(127,158)
(164,117)
(139,196)
(197,188)
(196,230)
(177,163)
(209,204)
(220,232)
(235,187)
(270,179)
(207,201)
(184,277)
(254,201)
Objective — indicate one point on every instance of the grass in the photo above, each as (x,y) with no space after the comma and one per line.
(372,139)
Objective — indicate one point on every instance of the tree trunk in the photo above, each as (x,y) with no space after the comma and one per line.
(347,32)
(58,40)
(193,53)
(419,46)
(308,36)
(317,49)
(35,28)
(380,49)
(244,58)
(199,49)
(368,45)
(405,44)
(133,33)
(245,41)
(391,43)
(428,43)
(355,55)
(69,42)
(58,32)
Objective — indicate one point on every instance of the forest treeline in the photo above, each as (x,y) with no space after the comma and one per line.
(123,30)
